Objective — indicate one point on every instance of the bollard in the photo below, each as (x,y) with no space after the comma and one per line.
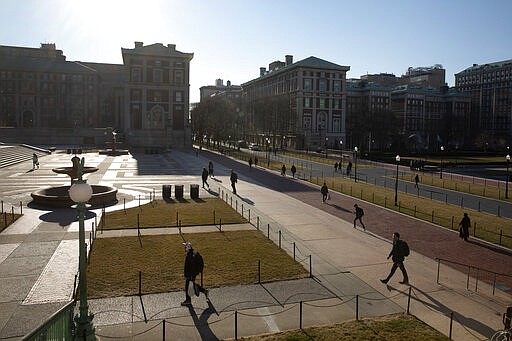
(310,268)
(213,217)
(300,315)
(139,200)
(236,325)
(279,239)
(268,231)
(249,210)
(409,300)
(163,329)
(21,208)
(451,325)
(258,223)
(357,307)
(293,250)
(259,271)
(220,224)
(236,206)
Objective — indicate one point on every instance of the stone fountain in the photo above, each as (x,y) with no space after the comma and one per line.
(59,196)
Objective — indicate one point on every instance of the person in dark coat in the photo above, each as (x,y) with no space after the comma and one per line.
(464,226)
(210,169)
(398,257)
(349,168)
(294,170)
(234,180)
(359,212)
(190,271)
(417,181)
(283,170)
(255,161)
(325,192)
(204,177)
(250,162)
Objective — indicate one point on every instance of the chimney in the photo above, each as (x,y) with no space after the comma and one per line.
(171,47)
(289,59)
(475,64)
(219,82)
(262,71)
(138,44)
(228,83)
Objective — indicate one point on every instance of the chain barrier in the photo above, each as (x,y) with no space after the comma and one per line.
(269,314)
(131,335)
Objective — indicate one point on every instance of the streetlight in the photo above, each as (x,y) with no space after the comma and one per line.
(397,158)
(341,157)
(326,140)
(355,164)
(506,185)
(80,192)
(441,172)
(268,151)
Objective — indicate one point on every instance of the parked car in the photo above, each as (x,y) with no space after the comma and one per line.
(254,146)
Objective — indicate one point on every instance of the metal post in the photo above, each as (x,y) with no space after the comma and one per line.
(409,300)
(236,325)
(357,307)
(451,324)
(396,180)
(300,315)
(506,182)
(259,271)
(438,266)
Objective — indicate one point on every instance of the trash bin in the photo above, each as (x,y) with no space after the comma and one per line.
(178,191)
(194,191)
(166,191)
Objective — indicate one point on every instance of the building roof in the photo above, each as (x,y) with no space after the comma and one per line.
(447,92)
(43,65)
(477,68)
(310,62)
(108,72)
(157,49)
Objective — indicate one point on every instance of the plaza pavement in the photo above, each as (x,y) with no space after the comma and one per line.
(37,277)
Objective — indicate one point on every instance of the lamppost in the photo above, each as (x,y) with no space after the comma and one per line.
(355,164)
(506,185)
(326,141)
(341,157)
(397,158)
(268,151)
(441,172)
(80,192)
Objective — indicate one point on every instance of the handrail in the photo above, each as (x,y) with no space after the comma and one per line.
(58,317)
(474,267)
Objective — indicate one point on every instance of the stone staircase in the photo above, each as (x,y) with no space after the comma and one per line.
(11,154)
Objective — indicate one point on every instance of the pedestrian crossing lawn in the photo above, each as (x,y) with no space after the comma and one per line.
(172,213)
(230,257)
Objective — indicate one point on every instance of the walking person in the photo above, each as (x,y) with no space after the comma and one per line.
(194,265)
(398,253)
(294,170)
(234,180)
(204,177)
(210,169)
(283,170)
(250,162)
(325,192)
(417,181)
(349,168)
(336,167)
(359,212)
(464,226)
(35,161)
(255,161)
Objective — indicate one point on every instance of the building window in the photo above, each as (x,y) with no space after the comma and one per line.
(178,77)
(306,122)
(157,76)
(307,102)
(136,75)
(322,103)
(307,84)
(337,87)
(178,95)
(322,85)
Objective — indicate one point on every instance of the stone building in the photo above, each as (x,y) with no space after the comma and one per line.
(302,103)
(47,100)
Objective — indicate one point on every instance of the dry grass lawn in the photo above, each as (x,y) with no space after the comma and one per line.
(230,258)
(389,328)
(160,213)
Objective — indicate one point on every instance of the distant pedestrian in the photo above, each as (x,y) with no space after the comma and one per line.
(255,161)
(325,192)
(359,212)
(398,253)
(464,226)
(294,170)
(210,169)
(349,168)
(417,181)
(194,265)
(336,167)
(234,180)
(35,161)
(204,177)
(250,162)
(283,170)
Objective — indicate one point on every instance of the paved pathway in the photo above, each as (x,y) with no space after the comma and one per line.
(346,261)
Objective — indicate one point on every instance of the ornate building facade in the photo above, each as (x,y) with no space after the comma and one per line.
(48,100)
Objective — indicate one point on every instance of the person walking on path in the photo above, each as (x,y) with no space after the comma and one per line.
(255,161)
(359,212)
(35,161)
(336,167)
(294,170)
(417,181)
(325,192)
(204,177)
(234,180)
(210,169)
(464,226)
(250,162)
(193,266)
(283,170)
(349,168)
(398,253)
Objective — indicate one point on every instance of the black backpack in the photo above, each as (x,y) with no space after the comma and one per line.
(405,249)
(198,263)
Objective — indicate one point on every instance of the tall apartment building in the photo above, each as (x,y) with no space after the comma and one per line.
(490,89)
(315,94)
(48,100)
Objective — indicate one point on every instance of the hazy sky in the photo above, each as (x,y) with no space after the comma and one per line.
(232,39)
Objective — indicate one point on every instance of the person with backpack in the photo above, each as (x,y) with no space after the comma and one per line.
(398,253)
(204,177)
(210,169)
(325,192)
(283,170)
(464,226)
(293,169)
(359,212)
(194,265)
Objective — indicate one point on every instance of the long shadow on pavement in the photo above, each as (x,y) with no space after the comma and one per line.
(201,322)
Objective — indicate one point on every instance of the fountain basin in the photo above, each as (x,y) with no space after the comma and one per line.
(59,196)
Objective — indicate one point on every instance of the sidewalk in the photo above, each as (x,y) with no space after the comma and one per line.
(346,262)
